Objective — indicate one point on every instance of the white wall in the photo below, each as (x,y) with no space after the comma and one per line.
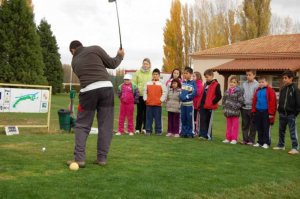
(204,64)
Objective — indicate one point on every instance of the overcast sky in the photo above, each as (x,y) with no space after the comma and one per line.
(94,22)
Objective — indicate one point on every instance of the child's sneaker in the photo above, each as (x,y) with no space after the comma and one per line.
(249,143)
(279,148)
(243,142)
(169,135)
(293,152)
(131,134)
(144,131)
(137,132)
(265,146)
(176,136)
(225,141)
(233,142)
(119,133)
(256,145)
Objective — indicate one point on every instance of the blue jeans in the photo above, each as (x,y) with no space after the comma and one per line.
(289,120)
(153,112)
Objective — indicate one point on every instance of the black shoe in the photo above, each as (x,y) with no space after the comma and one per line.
(100,162)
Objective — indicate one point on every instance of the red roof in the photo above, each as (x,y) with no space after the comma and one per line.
(259,64)
(267,46)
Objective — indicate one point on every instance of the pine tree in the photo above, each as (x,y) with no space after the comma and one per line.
(23,61)
(53,67)
(173,39)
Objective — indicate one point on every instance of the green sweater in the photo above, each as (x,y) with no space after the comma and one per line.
(140,79)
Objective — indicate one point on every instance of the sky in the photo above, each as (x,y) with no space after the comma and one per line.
(94,22)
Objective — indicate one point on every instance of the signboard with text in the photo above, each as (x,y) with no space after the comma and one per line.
(24,100)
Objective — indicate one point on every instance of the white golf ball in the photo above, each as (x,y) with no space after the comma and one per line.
(44,149)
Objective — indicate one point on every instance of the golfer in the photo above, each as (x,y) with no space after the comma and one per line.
(96,93)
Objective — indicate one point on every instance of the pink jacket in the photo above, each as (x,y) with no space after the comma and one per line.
(197,98)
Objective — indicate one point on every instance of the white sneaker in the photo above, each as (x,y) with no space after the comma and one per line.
(169,135)
(233,142)
(176,136)
(144,131)
(225,141)
(118,133)
(256,145)
(279,148)
(293,152)
(265,146)
(131,134)
(137,132)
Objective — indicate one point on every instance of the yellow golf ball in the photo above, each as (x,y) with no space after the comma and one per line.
(74,166)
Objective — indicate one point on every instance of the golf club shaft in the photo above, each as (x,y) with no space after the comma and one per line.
(119,25)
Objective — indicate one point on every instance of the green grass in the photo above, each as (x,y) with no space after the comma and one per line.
(142,167)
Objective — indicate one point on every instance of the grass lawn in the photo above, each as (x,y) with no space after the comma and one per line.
(140,166)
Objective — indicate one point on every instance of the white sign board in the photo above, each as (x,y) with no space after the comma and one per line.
(11,130)
(24,100)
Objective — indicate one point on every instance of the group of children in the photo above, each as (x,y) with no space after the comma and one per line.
(190,105)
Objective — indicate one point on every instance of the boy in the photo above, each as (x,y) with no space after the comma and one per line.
(188,92)
(154,95)
(288,109)
(129,95)
(211,95)
(264,108)
(248,127)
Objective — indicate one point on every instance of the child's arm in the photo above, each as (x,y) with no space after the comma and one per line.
(145,92)
(164,93)
(193,93)
(241,99)
(136,95)
(273,106)
(297,96)
(218,94)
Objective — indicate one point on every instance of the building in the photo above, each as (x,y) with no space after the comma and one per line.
(268,55)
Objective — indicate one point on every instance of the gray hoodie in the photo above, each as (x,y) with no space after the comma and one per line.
(249,89)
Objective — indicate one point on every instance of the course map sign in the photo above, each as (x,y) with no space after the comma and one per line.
(24,100)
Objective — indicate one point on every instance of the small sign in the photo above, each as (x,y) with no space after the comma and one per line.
(11,130)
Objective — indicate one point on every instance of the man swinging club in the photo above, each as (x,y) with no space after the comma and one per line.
(96,93)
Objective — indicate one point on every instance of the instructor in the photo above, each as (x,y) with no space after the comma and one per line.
(96,93)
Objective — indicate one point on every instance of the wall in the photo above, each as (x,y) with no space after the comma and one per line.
(204,64)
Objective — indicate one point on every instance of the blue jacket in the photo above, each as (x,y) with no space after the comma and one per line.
(188,91)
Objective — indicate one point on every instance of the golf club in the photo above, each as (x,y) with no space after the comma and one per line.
(110,1)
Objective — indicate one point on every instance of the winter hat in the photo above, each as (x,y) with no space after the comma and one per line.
(127,76)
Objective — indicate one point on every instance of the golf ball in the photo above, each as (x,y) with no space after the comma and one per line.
(44,149)
(74,166)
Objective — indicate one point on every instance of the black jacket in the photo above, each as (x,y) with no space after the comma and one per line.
(289,100)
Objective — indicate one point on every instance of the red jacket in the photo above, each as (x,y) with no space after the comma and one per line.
(272,103)
(197,98)
(210,96)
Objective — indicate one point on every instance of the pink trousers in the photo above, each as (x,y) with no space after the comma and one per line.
(232,128)
(126,111)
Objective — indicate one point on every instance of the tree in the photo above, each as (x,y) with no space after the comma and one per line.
(173,41)
(53,67)
(256,18)
(23,61)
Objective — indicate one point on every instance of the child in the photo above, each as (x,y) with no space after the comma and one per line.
(173,108)
(197,77)
(188,92)
(264,108)
(232,102)
(154,95)
(210,96)
(289,108)
(248,127)
(128,94)
(176,74)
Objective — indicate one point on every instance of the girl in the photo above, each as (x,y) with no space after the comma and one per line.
(232,102)
(173,108)
(197,77)
(176,74)
(128,94)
